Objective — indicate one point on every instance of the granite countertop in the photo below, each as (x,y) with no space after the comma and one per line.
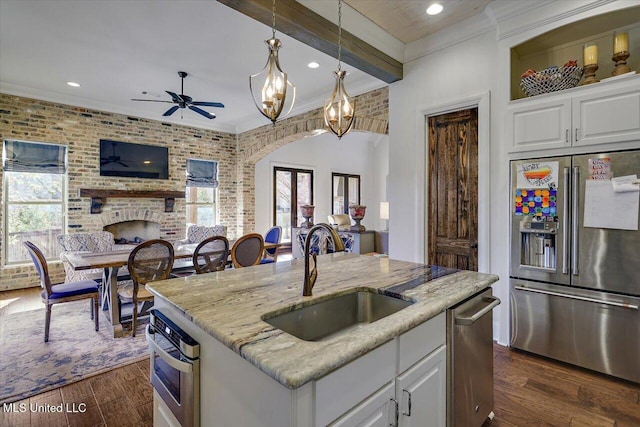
(229,304)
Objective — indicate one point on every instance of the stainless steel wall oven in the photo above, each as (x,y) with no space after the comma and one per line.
(175,368)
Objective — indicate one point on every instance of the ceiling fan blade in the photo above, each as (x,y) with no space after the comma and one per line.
(123,164)
(151,100)
(171,110)
(174,96)
(104,162)
(202,112)
(208,104)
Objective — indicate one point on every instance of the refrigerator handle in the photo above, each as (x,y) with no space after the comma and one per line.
(565,224)
(574,220)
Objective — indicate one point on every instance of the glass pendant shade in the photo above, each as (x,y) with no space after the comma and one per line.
(270,88)
(339,109)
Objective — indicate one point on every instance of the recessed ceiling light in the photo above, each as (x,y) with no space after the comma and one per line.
(73,84)
(313,64)
(434,9)
(147,162)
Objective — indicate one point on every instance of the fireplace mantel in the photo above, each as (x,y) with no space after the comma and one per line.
(99,196)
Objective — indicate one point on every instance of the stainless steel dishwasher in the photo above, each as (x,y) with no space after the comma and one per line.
(470,361)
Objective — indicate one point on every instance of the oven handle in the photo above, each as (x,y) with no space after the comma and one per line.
(172,361)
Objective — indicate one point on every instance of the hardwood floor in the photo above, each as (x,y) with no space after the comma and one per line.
(529,391)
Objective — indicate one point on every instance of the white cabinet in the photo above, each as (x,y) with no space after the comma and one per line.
(590,115)
(417,395)
(421,392)
(379,410)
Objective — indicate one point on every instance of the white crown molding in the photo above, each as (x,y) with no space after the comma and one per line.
(468,29)
(546,13)
(27,92)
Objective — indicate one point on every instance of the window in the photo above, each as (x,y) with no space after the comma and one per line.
(344,188)
(292,189)
(34,198)
(201,192)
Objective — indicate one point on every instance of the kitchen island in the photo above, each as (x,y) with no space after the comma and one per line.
(255,374)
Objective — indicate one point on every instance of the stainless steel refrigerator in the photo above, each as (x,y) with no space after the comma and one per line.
(575,260)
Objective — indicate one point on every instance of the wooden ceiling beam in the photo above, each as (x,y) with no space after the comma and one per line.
(306,26)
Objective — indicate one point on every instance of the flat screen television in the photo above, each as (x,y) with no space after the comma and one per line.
(133,160)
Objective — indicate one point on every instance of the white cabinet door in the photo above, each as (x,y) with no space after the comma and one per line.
(607,116)
(377,411)
(422,392)
(539,125)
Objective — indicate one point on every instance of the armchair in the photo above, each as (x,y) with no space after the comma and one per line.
(342,221)
(100,241)
(198,233)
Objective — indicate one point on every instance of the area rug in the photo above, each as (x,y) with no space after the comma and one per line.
(29,366)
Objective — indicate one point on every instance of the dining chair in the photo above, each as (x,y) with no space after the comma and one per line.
(273,235)
(63,292)
(211,255)
(149,261)
(247,250)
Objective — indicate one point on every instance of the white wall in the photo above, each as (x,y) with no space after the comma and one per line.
(477,68)
(357,153)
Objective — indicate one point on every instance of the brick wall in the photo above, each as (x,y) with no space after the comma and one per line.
(81,130)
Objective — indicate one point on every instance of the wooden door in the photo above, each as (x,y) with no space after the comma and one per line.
(453,190)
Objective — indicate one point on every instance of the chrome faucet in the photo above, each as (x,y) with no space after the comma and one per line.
(310,277)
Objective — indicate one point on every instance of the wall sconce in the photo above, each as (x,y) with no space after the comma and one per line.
(270,89)
(339,110)
(384,214)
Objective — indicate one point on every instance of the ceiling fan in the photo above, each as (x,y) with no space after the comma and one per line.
(113,158)
(184,101)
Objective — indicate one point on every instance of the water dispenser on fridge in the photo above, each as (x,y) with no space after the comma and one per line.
(538,244)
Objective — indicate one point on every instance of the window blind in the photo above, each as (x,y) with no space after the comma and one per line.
(24,156)
(202,173)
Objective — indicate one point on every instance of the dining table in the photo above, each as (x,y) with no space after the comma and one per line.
(111,261)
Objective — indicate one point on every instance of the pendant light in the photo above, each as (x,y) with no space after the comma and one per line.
(269,87)
(339,110)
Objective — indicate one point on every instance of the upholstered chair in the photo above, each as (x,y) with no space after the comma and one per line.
(64,292)
(197,233)
(99,241)
(273,235)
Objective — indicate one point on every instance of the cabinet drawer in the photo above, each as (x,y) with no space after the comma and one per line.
(343,389)
(421,340)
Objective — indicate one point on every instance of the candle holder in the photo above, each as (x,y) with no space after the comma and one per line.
(620,58)
(307,214)
(590,74)
(357,213)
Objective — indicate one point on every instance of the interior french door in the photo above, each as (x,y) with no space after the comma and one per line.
(292,189)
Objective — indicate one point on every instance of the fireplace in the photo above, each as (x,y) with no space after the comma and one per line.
(134,231)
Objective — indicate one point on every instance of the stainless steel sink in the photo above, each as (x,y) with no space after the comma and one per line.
(326,318)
